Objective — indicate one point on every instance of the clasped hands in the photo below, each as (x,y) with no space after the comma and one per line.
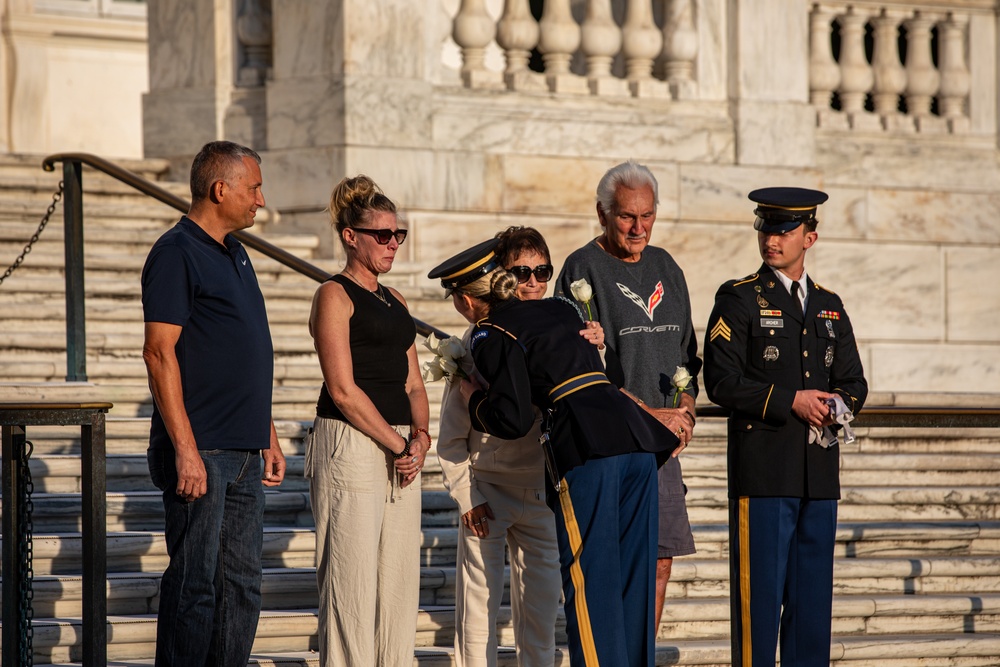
(410,466)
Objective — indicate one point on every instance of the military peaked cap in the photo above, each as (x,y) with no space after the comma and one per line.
(781,210)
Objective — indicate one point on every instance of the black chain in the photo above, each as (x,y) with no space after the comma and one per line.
(25,590)
(34,237)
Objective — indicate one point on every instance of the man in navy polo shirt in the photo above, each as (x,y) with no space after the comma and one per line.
(210,363)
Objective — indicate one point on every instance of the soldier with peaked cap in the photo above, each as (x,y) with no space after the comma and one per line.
(778,347)
(602,452)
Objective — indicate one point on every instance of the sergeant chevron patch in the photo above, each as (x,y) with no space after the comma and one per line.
(721,329)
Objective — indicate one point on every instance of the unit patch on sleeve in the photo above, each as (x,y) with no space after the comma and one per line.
(721,329)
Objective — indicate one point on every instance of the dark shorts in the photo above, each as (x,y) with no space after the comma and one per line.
(675,538)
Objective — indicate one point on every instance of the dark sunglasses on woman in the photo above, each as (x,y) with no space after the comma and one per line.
(543,273)
(382,236)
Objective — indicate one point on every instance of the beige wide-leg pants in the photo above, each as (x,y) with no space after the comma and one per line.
(367,549)
(527,526)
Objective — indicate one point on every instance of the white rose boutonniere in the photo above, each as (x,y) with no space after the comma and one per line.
(681,380)
(582,292)
(448,353)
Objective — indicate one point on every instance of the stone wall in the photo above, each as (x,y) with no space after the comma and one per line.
(435,102)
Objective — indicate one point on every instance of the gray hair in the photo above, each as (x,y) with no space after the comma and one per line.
(216,161)
(629,174)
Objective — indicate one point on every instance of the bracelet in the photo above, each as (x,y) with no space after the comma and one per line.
(404,453)
(415,431)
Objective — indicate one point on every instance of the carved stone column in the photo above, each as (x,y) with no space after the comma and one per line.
(560,38)
(889,75)
(824,72)
(856,77)
(955,77)
(601,39)
(517,34)
(473,30)
(642,44)
(922,80)
(680,48)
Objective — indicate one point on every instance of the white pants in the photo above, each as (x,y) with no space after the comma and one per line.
(367,549)
(527,526)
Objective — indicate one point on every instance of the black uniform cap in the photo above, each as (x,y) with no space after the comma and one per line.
(467,266)
(781,210)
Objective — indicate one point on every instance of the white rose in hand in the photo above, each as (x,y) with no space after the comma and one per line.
(582,292)
(432,371)
(452,348)
(680,380)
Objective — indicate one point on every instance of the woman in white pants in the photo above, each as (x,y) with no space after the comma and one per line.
(500,490)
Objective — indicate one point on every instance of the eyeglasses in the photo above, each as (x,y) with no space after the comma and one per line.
(382,236)
(543,272)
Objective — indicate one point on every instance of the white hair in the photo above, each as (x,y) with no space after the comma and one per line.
(629,174)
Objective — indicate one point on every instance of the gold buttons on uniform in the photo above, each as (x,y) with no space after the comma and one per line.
(807,373)
(804,332)
(805,353)
(772,332)
(749,426)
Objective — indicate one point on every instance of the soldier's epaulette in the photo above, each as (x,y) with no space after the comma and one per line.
(476,337)
(818,286)
(748,279)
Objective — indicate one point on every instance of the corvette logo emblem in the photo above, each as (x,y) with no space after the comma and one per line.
(647,306)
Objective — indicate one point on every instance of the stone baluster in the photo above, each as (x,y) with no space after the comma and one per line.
(824,72)
(680,47)
(922,79)
(253,29)
(889,75)
(560,38)
(955,77)
(601,39)
(642,43)
(473,30)
(856,76)
(517,34)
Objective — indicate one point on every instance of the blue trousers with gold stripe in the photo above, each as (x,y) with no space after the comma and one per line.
(606,524)
(781,577)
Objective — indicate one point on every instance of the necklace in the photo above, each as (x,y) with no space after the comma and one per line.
(377,293)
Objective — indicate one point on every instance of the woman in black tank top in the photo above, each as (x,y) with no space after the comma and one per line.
(368,444)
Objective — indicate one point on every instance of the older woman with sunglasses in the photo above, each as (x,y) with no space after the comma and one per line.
(367,447)
(500,490)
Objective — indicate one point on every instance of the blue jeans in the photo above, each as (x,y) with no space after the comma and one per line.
(210,591)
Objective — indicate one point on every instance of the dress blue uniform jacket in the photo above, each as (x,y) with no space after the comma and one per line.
(759,350)
(525,349)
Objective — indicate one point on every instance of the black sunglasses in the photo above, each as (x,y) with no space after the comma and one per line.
(382,236)
(543,272)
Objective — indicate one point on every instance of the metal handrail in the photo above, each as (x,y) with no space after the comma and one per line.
(76,362)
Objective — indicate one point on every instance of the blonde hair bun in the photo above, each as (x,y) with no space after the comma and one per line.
(503,286)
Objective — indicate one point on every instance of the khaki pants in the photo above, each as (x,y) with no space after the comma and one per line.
(367,549)
(526,524)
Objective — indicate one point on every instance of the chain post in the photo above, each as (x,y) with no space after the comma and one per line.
(26,591)
(34,237)
(76,318)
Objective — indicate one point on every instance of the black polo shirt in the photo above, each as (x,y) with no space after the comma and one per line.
(224,351)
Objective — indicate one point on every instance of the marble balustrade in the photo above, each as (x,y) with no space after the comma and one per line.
(895,66)
(584,50)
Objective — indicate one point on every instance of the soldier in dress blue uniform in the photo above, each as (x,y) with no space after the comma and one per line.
(602,449)
(778,347)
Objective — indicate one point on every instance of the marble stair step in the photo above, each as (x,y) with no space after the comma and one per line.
(933,650)
(130,551)
(143,510)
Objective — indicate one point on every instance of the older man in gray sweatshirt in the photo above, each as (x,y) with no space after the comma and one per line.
(641,299)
